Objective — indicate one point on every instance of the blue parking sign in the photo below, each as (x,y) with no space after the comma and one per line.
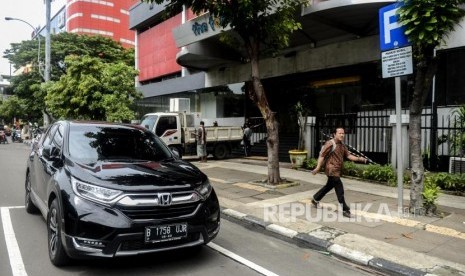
(391,33)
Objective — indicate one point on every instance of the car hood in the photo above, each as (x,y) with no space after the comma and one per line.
(139,175)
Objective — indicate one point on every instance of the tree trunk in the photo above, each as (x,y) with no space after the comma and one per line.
(423,79)
(272,142)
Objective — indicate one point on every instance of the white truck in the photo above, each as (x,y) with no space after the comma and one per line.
(178,129)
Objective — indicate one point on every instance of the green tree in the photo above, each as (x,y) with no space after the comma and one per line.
(93,89)
(262,26)
(65,44)
(12,107)
(427,23)
(27,86)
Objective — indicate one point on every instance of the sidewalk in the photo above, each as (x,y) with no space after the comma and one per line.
(378,236)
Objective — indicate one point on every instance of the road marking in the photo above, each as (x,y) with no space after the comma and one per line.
(217,180)
(16,261)
(241,260)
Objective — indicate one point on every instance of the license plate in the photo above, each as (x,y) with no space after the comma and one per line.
(163,233)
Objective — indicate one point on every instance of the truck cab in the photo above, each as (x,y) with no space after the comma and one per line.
(167,126)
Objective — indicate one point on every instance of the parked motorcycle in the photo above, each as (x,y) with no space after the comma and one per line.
(16,136)
(3,139)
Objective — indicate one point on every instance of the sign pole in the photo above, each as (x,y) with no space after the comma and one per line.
(396,58)
(400,164)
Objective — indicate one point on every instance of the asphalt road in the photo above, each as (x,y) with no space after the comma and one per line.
(236,250)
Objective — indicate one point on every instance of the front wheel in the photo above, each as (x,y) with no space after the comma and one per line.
(30,207)
(56,251)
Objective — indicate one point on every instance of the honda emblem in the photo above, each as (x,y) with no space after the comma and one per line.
(164,199)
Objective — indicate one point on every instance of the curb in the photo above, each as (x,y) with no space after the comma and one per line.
(321,245)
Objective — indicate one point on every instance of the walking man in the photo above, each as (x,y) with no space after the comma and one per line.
(202,142)
(332,157)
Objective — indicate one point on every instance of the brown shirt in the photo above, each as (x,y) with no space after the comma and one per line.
(335,159)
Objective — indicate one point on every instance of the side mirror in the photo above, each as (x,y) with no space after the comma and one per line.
(50,152)
(176,152)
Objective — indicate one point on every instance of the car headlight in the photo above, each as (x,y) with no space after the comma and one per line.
(204,189)
(94,193)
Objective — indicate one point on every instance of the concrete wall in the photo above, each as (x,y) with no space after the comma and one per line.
(329,56)
(456,38)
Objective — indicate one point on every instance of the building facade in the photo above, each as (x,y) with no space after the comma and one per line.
(108,18)
(103,17)
(333,65)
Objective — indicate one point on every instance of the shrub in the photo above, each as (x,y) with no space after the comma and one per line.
(310,163)
(380,173)
(353,169)
(430,195)
(446,181)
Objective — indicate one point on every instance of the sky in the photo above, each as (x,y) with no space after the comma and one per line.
(13,31)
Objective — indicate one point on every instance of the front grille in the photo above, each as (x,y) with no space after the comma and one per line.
(141,245)
(159,212)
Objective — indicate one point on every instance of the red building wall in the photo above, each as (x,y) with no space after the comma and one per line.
(157,50)
(105,17)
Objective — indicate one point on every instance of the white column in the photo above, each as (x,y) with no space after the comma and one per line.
(309,133)
(405,140)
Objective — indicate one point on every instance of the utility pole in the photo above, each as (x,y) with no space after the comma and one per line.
(47,51)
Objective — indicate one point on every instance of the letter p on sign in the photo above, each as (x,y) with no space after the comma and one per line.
(391,33)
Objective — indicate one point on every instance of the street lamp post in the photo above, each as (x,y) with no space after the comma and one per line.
(36,34)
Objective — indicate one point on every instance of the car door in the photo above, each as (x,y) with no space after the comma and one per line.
(46,167)
(39,163)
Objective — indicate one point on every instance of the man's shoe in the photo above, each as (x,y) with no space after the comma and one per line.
(347,214)
(316,204)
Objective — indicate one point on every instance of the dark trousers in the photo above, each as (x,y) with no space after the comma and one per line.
(247,147)
(336,183)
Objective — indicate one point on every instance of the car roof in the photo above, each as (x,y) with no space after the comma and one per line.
(102,123)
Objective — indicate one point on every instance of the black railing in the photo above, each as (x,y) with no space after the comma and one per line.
(443,141)
(371,133)
(368,131)
(259,128)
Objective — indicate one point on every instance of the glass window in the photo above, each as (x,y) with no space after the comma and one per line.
(149,121)
(89,144)
(48,136)
(450,83)
(58,137)
(165,123)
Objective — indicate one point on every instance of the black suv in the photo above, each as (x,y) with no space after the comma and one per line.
(116,190)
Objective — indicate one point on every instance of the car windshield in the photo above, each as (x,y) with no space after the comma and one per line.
(89,144)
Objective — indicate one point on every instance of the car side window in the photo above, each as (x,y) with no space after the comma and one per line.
(49,135)
(58,137)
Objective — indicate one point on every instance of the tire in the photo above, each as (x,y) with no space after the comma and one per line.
(30,207)
(221,151)
(56,251)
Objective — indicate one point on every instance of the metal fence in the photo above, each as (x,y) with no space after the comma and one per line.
(443,139)
(442,135)
(371,132)
(367,131)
